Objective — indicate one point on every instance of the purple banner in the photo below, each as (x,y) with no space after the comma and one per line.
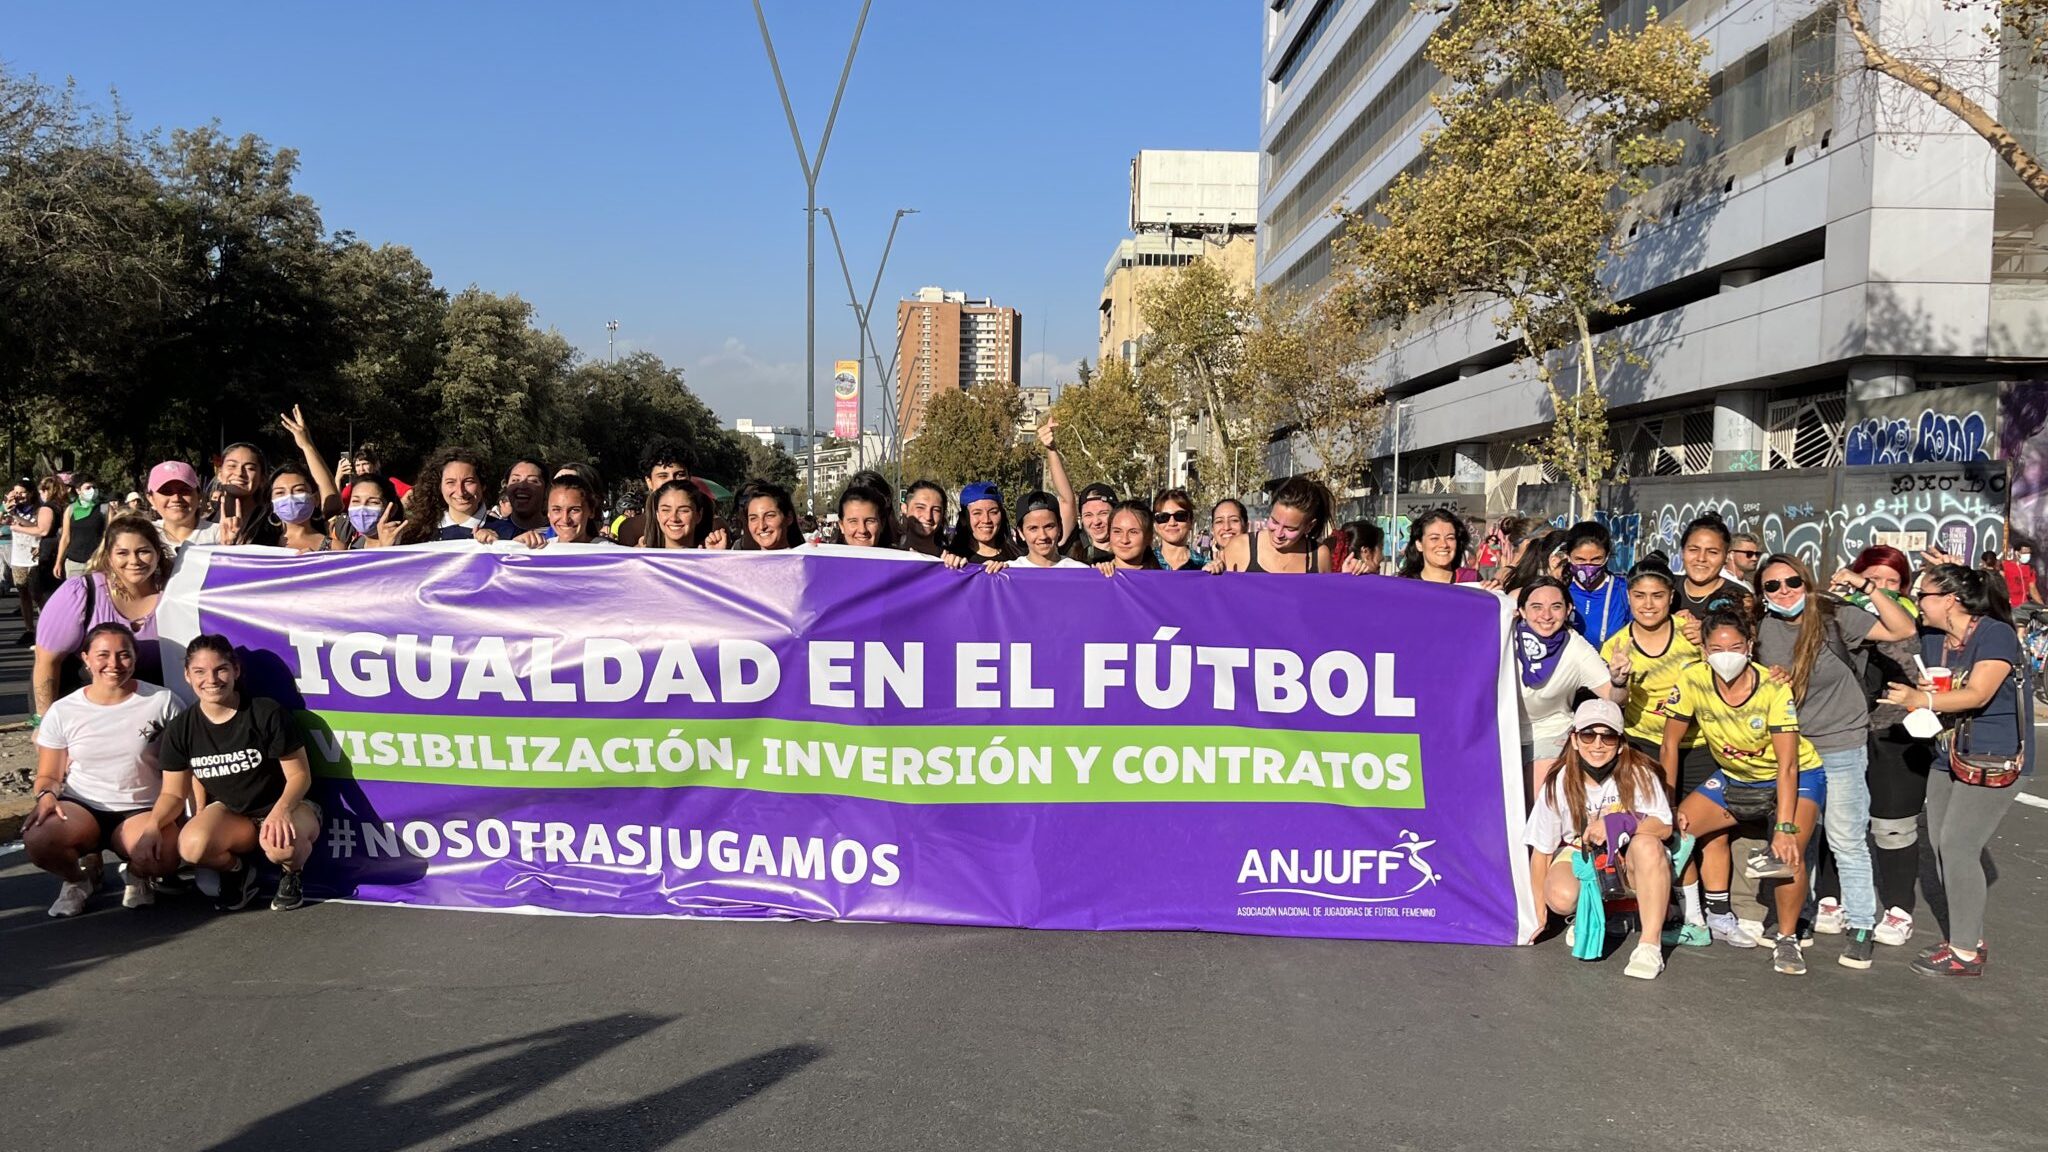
(825,735)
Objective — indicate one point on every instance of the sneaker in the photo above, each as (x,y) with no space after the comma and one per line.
(71,898)
(1723,926)
(1942,949)
(1944,962)
(1831,919)
(291,892)
(1761,865)
(136,891)
(1895,929)
(207,881)
(237,888)
(1688,935)
(1646,961)
(1862,946)
(1787,958)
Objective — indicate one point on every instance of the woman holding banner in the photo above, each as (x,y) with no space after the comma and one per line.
(373,518)
(764,518)
(1132,546)
(679,515)
(1291,540)
(1604,793)
(1768,772)
(1173,528)
(97,783)
(1556,663)
(451,501)
(982,533)
(1039,526)
(1438,542)
(242,763)
(864,519)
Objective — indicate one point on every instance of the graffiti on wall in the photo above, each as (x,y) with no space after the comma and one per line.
(1941,426)
(1961,512)
(2023,438)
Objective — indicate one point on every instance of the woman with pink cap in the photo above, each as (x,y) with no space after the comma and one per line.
(174,493)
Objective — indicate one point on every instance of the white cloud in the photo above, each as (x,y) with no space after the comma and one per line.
(736,383)
(1049,368)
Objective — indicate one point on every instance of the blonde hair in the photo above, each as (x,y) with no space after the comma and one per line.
(131,524)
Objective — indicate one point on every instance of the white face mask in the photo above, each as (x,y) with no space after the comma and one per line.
(1728,665)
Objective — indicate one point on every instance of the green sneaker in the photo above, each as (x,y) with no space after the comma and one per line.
(1689,935)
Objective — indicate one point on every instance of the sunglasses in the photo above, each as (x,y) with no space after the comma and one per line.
(1749,552)
(1793,582)
(1173,517)
(1600,736)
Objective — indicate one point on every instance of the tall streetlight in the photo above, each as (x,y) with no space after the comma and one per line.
(811,167)
(611,348)
(863,313)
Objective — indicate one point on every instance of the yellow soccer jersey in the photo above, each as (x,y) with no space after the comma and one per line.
(1653,684)
(1739,735)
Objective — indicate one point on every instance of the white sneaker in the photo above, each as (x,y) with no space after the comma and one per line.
(1831,919)
(136,891)
(71,898)
(1646,961)
(1730,931)
(1896,928)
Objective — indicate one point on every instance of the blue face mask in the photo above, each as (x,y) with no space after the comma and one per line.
(364,519)
(1788,611)
(293,508)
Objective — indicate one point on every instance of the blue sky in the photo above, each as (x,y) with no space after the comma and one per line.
(632,161)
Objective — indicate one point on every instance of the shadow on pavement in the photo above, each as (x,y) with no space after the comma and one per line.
(428,1100)
(26,1033)
(42,952)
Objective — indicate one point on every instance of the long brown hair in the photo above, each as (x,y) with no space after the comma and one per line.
(426,506)
(1814,622)
(1635,775)
(137,525)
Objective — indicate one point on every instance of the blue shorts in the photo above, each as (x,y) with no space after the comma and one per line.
(1751,798)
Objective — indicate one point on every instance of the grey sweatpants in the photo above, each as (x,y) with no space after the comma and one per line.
(1960,821)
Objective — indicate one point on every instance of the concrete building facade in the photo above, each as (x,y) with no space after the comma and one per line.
(948,342)
(1824,251)
(1185,206)
(788,438)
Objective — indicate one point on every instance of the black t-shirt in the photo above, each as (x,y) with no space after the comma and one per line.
(238,761)
(1728,595)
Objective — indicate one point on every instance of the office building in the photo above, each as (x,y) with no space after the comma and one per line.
(947,342)
(1820,253)
(788,438)
(1185,206)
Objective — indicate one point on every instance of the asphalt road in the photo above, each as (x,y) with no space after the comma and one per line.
(354,1027)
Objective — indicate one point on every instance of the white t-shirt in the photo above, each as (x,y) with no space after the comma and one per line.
(111,747)
(1547,827)
(207,532)
(1547,711)
(1064,562)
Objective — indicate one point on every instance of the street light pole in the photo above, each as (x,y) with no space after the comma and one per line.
(611,332)
(811,167)
(862,314)
(1394,489)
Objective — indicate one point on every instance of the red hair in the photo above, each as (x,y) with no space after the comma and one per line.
(1884,556)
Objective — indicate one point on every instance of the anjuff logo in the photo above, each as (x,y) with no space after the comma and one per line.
(1355,875)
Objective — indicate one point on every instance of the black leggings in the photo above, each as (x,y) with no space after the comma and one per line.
(1898,790)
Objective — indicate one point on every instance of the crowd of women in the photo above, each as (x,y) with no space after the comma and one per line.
(1664,710)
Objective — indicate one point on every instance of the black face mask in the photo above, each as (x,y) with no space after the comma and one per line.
(1602,773)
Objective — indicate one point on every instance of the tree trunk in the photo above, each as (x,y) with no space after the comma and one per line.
(1587,481)
(2024,164)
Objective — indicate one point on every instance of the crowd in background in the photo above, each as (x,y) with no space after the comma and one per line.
(1664,710)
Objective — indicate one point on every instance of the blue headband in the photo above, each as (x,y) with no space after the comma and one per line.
(979,490)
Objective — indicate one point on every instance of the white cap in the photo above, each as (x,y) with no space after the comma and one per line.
(1597,714)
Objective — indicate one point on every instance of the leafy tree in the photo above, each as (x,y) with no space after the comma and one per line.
(501,385)
(1309,361)
(1193,358)
(1550,121)
(761,462)
(971,435)
(1108,431)
(391,316)
(622,405)
(2020,25)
